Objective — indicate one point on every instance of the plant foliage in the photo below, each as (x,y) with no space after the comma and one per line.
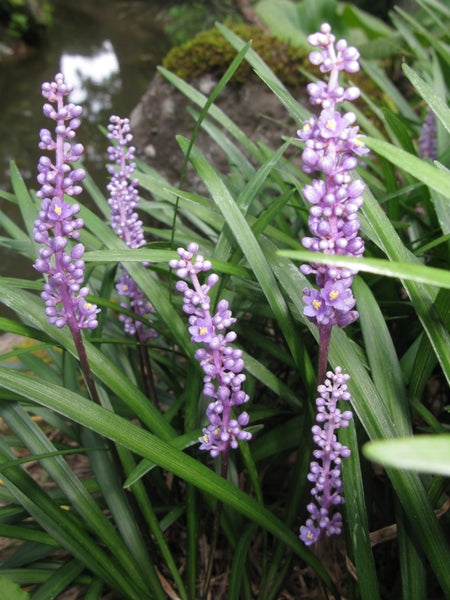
(133,518)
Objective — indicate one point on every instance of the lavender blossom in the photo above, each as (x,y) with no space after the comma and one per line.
(64,293)
(222,364)
(427,139)
(332,145)
(325,471)
(123,200)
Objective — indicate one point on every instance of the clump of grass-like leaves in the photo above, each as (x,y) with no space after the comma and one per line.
(137,519)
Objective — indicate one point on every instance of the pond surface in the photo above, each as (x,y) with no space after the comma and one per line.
(109,50)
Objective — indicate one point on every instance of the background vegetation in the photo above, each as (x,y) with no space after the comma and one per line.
(144,530)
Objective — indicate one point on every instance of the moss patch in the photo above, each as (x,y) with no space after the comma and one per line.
(209,52)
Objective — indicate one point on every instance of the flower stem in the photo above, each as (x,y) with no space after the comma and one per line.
(216,525)
(81,350)
(145,367)
(324,347)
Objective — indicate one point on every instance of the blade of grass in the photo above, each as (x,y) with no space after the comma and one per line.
(240,553)
(36,441)
(436,103)
(147,445)
(248,244)
(383,361)
(57,583)
(420,169)
(375,418)
(63,528)
(31,309)
(387,268)
(27,207)
(263,71)
(357,524)
(422,453)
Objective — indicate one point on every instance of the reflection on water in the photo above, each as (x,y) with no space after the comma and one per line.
(109,51)
(98,69)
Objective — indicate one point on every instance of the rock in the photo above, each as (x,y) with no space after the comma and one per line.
(162,114)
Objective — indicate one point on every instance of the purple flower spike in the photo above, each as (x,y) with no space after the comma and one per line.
(332,145)
(64,294)
(221,363)
(123,200)
(427,140)
(325,470)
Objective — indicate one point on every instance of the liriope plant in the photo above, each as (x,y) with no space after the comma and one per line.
(151,496)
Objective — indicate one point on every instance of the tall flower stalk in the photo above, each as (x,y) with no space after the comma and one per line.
(332,147)
(58,224)
(427,139)
(222,365)
(123,200)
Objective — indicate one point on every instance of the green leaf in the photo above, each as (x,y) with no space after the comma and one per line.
(356,516)
(411,271)
(147,445)
(16,532)
(421,453)
(27,207)
(32,309)
(382,233)
(244,236)
(437,105)
(420,169)
(33,438)
(298,112)
(11,591)
(65,528)
(383,361)
(283,18)
(215,112)
(378,76)
(137,255)
(57,582)
(240,553)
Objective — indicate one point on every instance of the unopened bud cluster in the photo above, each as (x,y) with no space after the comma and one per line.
(325,470)
(123,200)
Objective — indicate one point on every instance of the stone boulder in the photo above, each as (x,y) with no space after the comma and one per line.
(162,114)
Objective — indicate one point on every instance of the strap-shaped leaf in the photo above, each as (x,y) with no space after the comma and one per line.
(147,445)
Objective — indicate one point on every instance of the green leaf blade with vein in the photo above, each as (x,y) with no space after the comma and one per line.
(422,453)
(411,270)
(420,169)
(147,445)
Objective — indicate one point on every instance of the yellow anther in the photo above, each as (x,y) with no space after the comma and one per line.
(205,438)
(334,294)
(203,330)
(58,209)
(307,127)
(331,124)
(317,304)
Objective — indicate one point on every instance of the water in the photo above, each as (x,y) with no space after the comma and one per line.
(109,51)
